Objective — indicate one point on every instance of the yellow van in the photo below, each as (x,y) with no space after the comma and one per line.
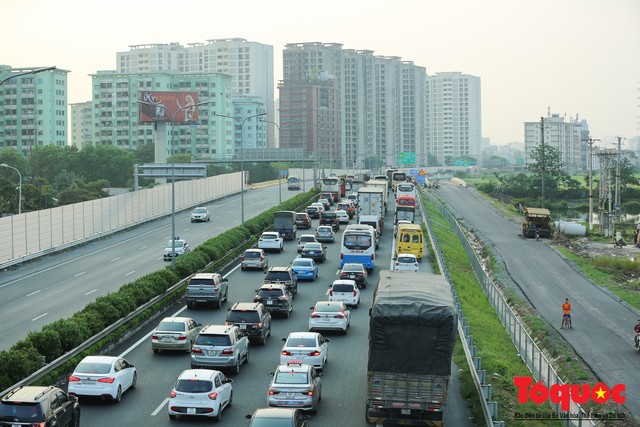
(410,240)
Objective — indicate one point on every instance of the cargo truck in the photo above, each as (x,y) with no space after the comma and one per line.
(412,331)
(284,222)
(371,202)
(382,183)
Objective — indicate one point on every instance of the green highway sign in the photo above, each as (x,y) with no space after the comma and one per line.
(406,157)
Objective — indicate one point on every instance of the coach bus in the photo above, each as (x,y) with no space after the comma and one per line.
(396,178)
(331,184)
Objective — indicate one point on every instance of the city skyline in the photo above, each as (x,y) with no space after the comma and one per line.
(582,61)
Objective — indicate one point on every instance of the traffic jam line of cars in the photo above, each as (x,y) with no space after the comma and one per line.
(205,390)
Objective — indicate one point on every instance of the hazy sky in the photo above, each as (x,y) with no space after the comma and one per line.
(572,56)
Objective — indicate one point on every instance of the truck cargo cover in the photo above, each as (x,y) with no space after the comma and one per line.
(413,324)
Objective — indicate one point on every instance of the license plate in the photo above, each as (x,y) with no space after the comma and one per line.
(269,302)
(86,382)
(352,276)
(290,395)
(312,252)
(291,402)
(191,411)
(405,411)
(243,326)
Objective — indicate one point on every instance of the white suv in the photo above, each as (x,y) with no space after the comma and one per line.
(220,346)
(191,394)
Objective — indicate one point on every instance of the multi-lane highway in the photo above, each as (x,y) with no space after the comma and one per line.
(57,286)
(344,380)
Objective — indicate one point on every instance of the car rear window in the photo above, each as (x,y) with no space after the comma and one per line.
(24,411)
(270,293)
(342,288)
(194,386)
(252,254)
(329,215)
(93,368)
(273,276)
(171,326)
(352,268)
(238,316)
(201,282)
(213,340)
(301,342)
(328,308)
(284,377)
(406,259)
(268,236)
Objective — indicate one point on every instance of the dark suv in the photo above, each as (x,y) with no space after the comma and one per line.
(42,406)
(276,298)
(330,218)
(282,276)
(313,212)
(252,318)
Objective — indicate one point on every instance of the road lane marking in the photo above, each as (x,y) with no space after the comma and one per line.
(79,274)
(144,247)
(90,292)
(130,273)
(115,259)
(39,317)
(159,408)
(34,292)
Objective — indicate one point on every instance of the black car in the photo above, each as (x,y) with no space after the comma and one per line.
(41,406)
(355,271)
(276,298)
(315,251)
(330,218)
(282,276)
(303,220)
(252,318)
(313,212)
(327,196)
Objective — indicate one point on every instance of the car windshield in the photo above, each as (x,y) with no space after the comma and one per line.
(214,340)
(171,326)
(200,210)
(300,342)
(283,377)
(277,275)
(313,246)
(194,385)
(352,268)
(236,316)
(178,244)
(342,288)
(328,308)
(93,368)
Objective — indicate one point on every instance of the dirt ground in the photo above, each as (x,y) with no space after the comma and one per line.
(590,249)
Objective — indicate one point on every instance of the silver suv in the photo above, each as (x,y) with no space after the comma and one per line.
(207,288)
(220,346)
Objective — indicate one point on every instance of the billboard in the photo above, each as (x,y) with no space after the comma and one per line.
(157,106)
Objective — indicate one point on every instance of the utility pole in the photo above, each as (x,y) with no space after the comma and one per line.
(617,202)
(542,157)
(591,141)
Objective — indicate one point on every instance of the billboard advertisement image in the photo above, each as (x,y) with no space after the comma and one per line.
(157,106)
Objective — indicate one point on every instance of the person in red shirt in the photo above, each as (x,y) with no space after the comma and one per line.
(566,315)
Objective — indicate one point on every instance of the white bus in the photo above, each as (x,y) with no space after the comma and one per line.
(358,245)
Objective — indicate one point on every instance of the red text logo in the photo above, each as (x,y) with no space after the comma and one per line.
(564,393)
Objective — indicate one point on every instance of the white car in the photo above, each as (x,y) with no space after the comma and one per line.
(271,241)
(103,376)
(200,214)
(200,393)
(329,316)
(406,262)
(179,246)
(343,216)
(346,291)
(309,348)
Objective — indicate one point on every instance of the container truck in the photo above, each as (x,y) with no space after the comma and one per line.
(284,222)
(371,202)
(382,184)
(412,331)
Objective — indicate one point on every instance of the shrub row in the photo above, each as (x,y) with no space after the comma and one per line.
(54,340)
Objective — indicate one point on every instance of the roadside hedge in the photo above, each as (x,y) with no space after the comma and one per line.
(54,340)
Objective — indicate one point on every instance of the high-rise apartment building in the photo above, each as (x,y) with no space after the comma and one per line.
(81,124)
(453,117)
(559,134)
(249,64)
(34,108)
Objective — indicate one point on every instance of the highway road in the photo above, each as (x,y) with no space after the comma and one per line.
(57,286)
(602,325)
(344,380)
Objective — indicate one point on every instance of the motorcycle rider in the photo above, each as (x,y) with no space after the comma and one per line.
(636,332)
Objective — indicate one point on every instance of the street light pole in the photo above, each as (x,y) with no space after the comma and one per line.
(173,174)
(24,73)
(4,165)
(278,156)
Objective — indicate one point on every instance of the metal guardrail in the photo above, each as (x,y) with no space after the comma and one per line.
(479,375)
(535,359)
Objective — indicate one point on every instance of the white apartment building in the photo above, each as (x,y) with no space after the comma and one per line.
(453,117)
(250,65)
(558,134)
(81,123)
